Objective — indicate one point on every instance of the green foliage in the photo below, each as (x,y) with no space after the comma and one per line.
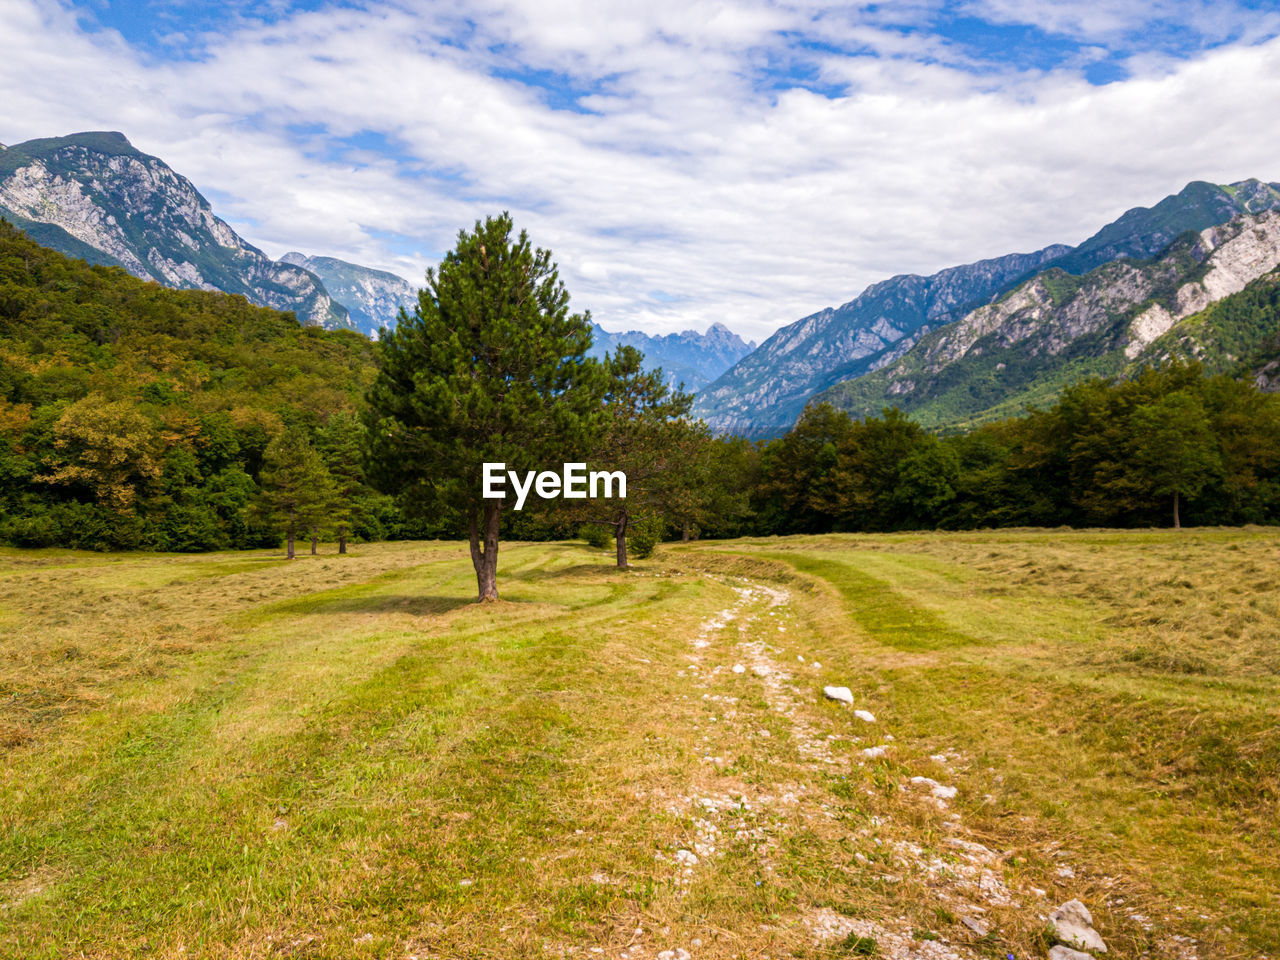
(297,492)
(596,535)
(1173,447)
(133,416)
(490,367)
(1107,454)
(859,946)
(643,536)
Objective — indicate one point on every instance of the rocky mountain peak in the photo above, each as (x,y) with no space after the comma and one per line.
(765,391)
(94,195)
(690,358)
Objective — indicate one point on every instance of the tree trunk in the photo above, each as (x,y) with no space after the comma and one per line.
(484,557)
(314,538)
(620,533)
(290,534)
(684,532)
(1177,521)
(342,542)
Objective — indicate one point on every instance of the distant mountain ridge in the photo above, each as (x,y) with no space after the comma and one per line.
(97,197)
(94,195)
(373,298)
(764,393)
(688,357)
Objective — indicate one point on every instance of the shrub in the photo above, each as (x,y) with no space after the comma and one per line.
(644,536)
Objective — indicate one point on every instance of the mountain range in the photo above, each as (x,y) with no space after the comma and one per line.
(97,197)
(373,298)
(1190,276)
(1058,328)
(827,354)
(94,196)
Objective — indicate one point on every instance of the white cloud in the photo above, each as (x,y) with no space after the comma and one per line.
(692,175)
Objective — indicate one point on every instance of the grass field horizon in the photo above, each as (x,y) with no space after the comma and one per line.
(235,755)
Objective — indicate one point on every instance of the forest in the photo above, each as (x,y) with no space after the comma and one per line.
(138,417)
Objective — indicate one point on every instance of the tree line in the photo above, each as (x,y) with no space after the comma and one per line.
(1168,446)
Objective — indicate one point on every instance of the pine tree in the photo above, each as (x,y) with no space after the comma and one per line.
(341,443)
(490,367)
(296,490)
(647,437)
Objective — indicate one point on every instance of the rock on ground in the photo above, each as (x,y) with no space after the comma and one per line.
(1073,924)
(843,694)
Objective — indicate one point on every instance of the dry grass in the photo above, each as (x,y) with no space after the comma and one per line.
(342,757)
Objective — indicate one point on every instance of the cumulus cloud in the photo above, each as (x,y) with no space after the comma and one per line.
(687,162)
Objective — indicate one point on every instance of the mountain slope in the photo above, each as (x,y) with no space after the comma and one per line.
(688,357)
(96,192)
(373,298)
(763,393)
(1056,328)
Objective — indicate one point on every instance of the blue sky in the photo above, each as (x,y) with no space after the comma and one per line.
(687,162)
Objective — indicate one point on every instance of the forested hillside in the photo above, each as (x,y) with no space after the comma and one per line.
(1166,447)
(135,416)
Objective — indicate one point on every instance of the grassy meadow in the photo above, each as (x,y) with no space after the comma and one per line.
(231,755)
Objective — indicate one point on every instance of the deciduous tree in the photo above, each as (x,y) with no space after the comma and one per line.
(1173,448)
(108,447)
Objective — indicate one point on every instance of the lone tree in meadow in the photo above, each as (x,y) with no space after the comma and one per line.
(297,491)
(489,368)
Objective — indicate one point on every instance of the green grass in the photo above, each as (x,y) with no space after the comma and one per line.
(229,756)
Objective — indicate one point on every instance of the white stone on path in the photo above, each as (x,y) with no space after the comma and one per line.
(866,715)
(872,752)
(686,857)
(760,670)
(739,668)
(1073,925)
(974,924)
(843,694)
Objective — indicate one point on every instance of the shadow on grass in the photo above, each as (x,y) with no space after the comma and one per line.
(414,606)
(575,572)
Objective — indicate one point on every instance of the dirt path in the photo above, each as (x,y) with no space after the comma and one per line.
(748,640)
